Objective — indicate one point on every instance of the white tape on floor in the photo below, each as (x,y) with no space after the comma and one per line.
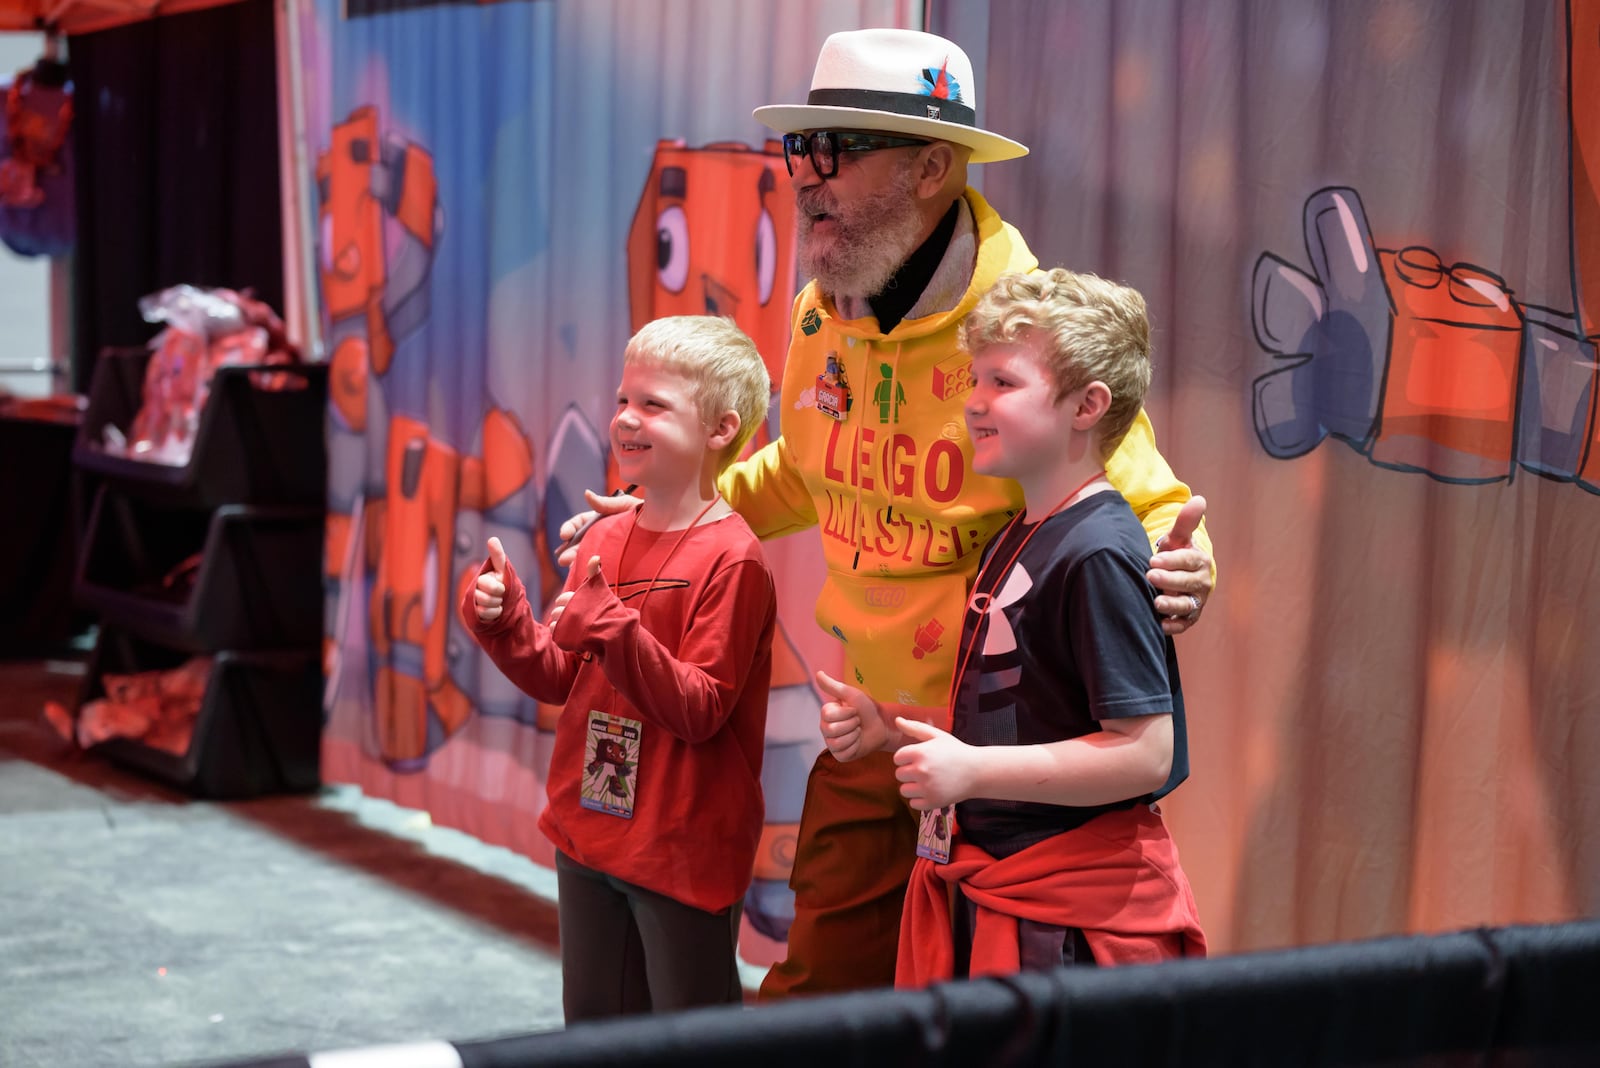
(409,1055)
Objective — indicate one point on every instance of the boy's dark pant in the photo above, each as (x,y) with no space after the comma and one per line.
(1041,947)
(625,949)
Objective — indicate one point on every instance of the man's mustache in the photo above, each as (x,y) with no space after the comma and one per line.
(813,202)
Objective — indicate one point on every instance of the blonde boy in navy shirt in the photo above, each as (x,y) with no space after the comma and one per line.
(1066,712)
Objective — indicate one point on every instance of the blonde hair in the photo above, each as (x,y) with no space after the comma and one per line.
(1089,330)
(719,361)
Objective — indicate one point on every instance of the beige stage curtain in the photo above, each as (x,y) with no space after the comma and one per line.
(1367,231)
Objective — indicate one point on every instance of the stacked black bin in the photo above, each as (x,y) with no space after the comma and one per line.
(251,503)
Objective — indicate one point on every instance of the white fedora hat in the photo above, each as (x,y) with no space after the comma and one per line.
(895,81)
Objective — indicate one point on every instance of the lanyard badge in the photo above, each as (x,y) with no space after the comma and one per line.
(934,831)
(610,764)
(833,389)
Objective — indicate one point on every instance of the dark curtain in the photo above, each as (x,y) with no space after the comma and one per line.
(37,556)
(177,156)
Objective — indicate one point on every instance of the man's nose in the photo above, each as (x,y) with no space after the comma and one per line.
(804,175)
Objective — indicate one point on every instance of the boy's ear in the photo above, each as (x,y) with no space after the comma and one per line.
(1092,405)
(724,430)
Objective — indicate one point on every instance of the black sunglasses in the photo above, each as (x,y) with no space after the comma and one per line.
(824,146)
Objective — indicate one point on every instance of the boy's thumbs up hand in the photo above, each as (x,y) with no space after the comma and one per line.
(842,717)
(591,570)
(936,768)
(489,595)
(851,723)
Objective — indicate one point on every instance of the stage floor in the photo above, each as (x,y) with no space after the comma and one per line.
(144,928)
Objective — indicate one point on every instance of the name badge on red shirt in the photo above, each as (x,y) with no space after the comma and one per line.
(610,764)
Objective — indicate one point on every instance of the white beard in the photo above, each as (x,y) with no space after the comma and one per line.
(872,238)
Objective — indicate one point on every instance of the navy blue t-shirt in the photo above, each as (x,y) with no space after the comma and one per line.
(1076,639)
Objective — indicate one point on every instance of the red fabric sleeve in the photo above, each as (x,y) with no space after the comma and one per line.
(690,695)
(521,646)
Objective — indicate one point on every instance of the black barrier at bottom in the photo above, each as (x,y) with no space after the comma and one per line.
(1510,996)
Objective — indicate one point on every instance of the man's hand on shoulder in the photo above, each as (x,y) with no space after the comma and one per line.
(573,528)
(1182,571)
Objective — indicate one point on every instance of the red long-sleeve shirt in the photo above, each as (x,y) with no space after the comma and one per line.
(681,641)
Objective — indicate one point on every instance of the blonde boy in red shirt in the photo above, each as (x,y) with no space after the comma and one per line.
(660,649)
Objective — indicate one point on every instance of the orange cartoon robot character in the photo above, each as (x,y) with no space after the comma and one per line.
(714,235)
(363,181)
(408,556)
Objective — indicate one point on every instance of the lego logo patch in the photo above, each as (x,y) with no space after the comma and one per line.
(884,596)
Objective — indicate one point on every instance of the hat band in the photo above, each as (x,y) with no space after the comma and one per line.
(915,105)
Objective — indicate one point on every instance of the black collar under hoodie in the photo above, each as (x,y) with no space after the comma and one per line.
(953,262)
(900,293)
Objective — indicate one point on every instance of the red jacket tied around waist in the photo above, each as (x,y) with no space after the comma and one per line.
(1116,879)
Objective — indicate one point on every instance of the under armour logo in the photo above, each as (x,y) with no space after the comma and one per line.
(1000,637)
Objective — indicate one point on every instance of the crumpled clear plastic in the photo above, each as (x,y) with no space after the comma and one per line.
(205,329)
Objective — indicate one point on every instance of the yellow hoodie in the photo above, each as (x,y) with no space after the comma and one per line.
(890,486)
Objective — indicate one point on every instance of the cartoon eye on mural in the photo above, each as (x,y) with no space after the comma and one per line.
(1433,367)
(396,542)
(714,235)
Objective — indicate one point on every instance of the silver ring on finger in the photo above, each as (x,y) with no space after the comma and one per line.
(1194,613)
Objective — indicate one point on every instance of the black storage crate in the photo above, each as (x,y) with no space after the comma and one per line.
(236,597)
(253,444)
(260,725)
(251,503)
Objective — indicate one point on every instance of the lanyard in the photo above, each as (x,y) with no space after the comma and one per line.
(622,556)
(626,538)
(977,583)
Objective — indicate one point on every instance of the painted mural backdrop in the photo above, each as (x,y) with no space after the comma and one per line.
(1369,233)
(504,193)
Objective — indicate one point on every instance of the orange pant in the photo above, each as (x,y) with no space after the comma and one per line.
(856,847)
